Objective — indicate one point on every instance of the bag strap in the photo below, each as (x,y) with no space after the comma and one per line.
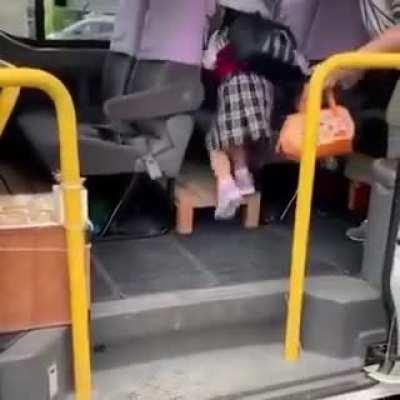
(278,26)
(330,96)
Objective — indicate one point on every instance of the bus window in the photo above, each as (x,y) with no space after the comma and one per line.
(17,18)
(80,19)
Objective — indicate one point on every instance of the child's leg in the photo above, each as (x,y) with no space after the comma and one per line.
(221,165)
(243,177)
(229,197)
(238,156)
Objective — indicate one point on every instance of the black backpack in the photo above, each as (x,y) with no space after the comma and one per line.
(269,47)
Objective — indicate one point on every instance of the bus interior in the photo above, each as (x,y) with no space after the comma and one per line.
(200,316)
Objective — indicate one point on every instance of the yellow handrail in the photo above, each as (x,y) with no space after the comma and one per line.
(8,99)
(74,222)
(306,183)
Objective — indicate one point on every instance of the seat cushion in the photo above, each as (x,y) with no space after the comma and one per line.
(359,168)
(97,156)
(385,172)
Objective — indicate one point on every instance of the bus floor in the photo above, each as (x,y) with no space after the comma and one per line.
(237,363)
(217,254)
(232,361)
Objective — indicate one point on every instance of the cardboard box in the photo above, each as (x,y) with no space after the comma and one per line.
(34,284)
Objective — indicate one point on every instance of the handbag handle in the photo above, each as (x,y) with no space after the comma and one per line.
(330,96)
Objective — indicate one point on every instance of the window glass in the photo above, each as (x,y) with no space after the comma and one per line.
(80,19)
(17,17)
(106,28)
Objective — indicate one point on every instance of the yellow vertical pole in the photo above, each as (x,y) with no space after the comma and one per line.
(303,216)
(306,183)
(74,223)
(75,230)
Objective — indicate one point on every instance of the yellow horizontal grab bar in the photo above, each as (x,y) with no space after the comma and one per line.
(71,184)
(306,182)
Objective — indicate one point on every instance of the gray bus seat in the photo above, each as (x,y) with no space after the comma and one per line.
(147,108)
(384,176)
(148,118)
(39,126)
(154,142)
(380,206)
(373,125)
(97,156)
(359,168)
(381,175)
(130,137)
(393,120)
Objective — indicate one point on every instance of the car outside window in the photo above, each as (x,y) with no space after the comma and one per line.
(81,20)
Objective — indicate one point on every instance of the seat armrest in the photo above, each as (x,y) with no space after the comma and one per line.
(173,99)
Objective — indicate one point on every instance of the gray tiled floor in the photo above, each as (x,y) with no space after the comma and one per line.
(217,254)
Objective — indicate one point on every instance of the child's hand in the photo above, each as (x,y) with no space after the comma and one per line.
(209,60)
(210,54)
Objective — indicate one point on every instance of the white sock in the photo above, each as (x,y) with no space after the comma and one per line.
(242,171)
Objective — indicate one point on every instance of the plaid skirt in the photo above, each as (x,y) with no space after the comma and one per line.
(245,103)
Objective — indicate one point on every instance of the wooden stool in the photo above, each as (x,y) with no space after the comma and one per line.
(196,189)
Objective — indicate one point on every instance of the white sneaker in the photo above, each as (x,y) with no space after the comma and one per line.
(359,233)
(245,182)
(229,200)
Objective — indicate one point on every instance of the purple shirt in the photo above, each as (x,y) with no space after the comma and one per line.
(175,30)
(337,27)
(325,27)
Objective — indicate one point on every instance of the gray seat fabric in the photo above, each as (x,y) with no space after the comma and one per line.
(359,168)
(147,109)
(116,72)
(393,119)
(382,194)
(150,118)
(157,89)
(98,156)
(378,220)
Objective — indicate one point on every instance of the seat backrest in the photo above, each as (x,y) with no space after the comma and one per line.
(393,120)
(152,75)
(116,72)
(119,64)
(147,75)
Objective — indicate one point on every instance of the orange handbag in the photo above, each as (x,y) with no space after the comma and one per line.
(335,136)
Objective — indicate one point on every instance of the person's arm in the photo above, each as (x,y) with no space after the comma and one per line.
(388,42)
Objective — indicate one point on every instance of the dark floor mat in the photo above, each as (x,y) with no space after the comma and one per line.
(331,247)
(220,254)
(154,265)
(103,287)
